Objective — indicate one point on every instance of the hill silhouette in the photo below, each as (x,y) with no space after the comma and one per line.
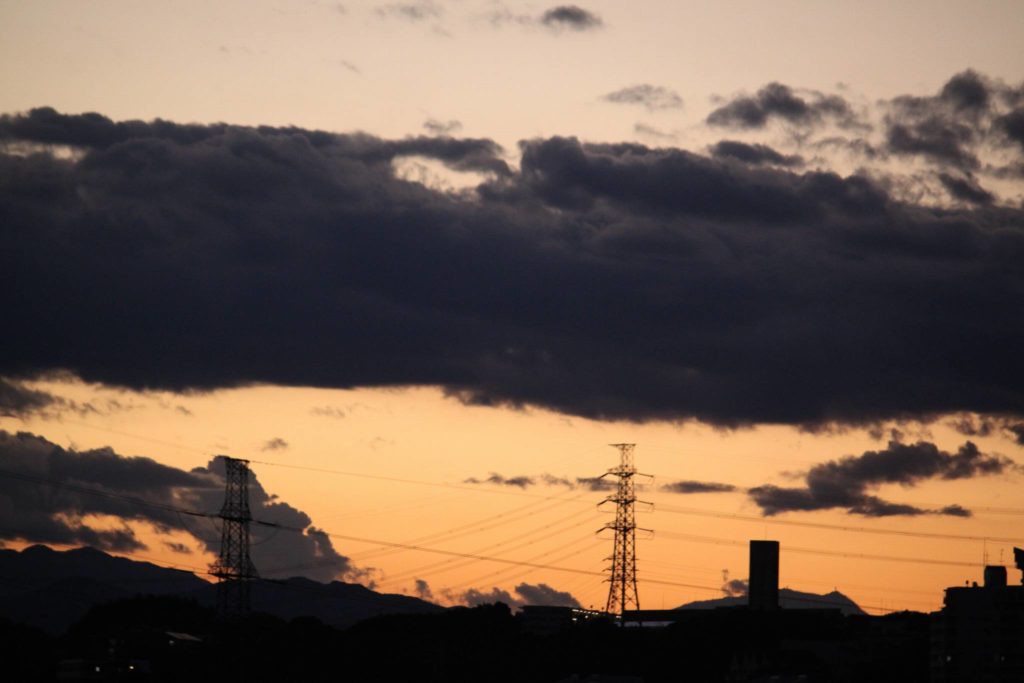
(788,599)
(51,589)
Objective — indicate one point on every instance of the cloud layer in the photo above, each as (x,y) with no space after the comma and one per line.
(48,495)
(845,483)
(523,594)
(602,280)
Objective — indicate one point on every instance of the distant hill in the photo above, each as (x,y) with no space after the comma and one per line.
(52,589)
(788,599)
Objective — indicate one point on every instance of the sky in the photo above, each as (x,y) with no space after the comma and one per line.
(422,262)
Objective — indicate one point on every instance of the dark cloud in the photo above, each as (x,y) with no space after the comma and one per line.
(47,492)
(422,589)
(601,280)
(17,400)
(1017,429)
(435,127)
(967,117)
(653,133)
(411,11)
(525,594)
(179,548)
(966,91)
(275,444)
(1011,125)
(736,588)
(844,483)
(571,17)
(941,140)
(521,481)
(987,425)
(696,487)
(329,411)
(753,154)
(971,425)
(653,97)
(778,101)
(965,189)
(543,594)
(596,483)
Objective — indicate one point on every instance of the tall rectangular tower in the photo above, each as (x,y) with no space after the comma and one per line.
(763,590)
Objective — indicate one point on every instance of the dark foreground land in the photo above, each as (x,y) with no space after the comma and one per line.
(175,639)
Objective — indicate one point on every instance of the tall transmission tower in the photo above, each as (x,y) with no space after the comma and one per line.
(234,567)
(622,590)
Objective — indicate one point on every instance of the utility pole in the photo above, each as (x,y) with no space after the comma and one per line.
(622,590)
(234,568)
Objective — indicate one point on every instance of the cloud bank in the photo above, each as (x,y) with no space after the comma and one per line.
(611,281)
(845,483)
(48,494)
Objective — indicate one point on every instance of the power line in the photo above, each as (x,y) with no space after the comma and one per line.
(835,527)
(713,540)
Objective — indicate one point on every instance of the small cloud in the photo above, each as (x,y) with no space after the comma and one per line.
(520,481)
(329,411)
(653,133)
(422,590)
(653,97)
(688,486)
(778,101)
(965,189)
(846,482)
(183,410)
(275,444)
(571,17)
(350,66)
(524,594)
(755,155)
(414,12)
(179,548)
(596,483)
(736,588)
(435,127)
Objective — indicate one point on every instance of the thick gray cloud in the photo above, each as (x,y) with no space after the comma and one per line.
(602,280)
(525,594)
(778,101)
(688,486)
(845,483)
(652,97)
(753,154)
(571,17)
(47,492)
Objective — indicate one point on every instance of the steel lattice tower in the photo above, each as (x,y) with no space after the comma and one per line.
(622,590)
(234,567)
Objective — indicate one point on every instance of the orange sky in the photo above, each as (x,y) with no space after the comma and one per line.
(433,444)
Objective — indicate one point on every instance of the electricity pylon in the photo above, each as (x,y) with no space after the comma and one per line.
(234,567)
(622,590)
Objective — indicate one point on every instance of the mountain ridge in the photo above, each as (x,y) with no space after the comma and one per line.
(52,589)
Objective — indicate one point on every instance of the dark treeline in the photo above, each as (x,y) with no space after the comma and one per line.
(173,639)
